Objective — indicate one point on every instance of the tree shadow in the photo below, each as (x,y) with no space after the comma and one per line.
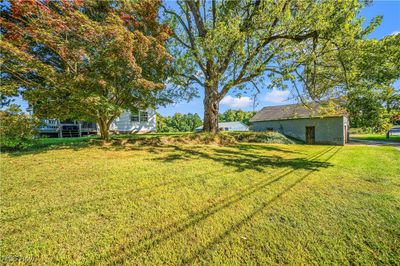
(242,159)
(238,157)
(160,235)
(203,250)
(261,147)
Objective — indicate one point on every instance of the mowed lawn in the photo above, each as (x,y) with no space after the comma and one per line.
(205,204)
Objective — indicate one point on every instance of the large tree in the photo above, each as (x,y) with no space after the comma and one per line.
(222,45)
(84,59)
(372,69)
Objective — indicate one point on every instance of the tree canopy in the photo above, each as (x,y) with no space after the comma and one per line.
(371,96)
(84,59)
(224,45)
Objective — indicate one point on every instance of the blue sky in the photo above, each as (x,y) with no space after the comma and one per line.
(389,9)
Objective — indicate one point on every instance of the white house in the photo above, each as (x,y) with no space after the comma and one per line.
(140,122)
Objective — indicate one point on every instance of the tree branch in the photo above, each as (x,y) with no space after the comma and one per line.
(193,77)
(214,15)
(195,9)
(225,64)
(188,30)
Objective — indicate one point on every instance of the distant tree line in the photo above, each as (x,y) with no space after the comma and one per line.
(189,122)
(374,109)
(236,115)
(178,122)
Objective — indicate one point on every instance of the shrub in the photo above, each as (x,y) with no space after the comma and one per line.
(261,137)
(224,139)
(17,130)
(361,130)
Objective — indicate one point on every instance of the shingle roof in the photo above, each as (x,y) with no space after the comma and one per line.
(295,111)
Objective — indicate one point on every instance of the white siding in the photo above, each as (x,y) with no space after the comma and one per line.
(123,124)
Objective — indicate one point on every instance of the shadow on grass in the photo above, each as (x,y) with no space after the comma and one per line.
(235,157)
(262,147)
(160,235)
(237,225)
(241,157)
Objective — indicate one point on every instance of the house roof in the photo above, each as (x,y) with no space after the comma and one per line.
(235,124)
(296,111)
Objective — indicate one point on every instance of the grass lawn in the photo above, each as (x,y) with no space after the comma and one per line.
(250,203)
(380,137)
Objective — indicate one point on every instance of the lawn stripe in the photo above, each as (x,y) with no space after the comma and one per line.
(111,196)
(210,210)
(256,184)
(202,251)
(172,181)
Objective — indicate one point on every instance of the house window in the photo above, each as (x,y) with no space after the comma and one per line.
(141,116)
(135,117)
(144,116)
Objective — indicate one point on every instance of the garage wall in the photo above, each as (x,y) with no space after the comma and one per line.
(327,130)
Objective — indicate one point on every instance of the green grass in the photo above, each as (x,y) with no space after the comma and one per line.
(205,204)
(43,142)
(380,137)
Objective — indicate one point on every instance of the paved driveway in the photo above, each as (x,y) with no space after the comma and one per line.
(373,142)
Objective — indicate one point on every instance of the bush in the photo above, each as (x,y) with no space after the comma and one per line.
(192,139)
(361,130)
(261,137)
(227,138)
(17,130)
(224,138)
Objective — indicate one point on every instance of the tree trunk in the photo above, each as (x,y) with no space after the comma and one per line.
(104,133)
(211,109)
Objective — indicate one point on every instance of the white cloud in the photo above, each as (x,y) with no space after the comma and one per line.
(276,96)
(395,33)
(238,102)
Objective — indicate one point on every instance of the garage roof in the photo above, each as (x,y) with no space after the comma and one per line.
(296,111)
